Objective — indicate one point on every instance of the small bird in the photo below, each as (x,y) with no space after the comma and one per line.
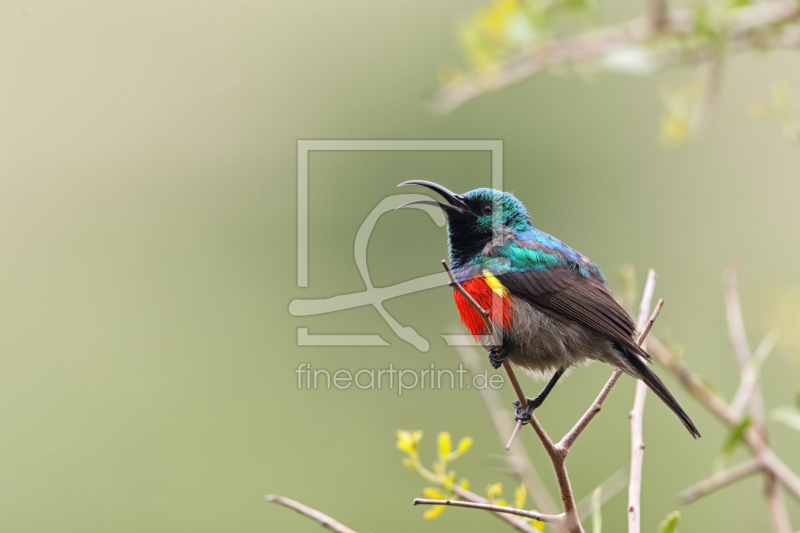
(556,312)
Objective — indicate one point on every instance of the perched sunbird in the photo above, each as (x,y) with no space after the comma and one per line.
(556,310)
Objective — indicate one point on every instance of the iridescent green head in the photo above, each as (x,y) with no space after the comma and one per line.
(476,217)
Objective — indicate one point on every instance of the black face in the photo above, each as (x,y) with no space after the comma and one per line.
(470,219)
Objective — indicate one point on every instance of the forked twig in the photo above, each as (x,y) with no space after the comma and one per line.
(518,460)
(568,519)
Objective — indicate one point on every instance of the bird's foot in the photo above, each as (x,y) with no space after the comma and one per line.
(498,354)
(523,415)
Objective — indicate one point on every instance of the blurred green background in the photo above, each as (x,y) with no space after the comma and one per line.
(148,240)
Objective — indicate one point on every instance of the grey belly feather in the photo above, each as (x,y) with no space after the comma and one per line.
(542,344)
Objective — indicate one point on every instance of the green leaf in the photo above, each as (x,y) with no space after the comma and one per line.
(597,503)
(788,416)
(670,523)
(731,442)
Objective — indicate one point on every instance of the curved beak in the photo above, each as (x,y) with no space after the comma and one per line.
(455,202)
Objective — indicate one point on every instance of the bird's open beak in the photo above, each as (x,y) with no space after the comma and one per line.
(455,202)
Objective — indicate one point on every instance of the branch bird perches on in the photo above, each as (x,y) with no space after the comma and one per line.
(568,520)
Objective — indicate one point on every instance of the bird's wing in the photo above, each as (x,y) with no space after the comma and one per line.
(567,294)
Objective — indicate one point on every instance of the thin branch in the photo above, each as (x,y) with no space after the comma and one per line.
(637,414)
(516,523)
(637,459)
(771,462)
(570,438)
(693,383)
(717,406)
(495,341)
(514,435)
(733,312)
(748,384)
(520,463)
(742,24)
(480,310)
(722,479)
(751,396)
(551,519)
(659,16)
(569,519)
(573,434)
(465,494)
(322,518)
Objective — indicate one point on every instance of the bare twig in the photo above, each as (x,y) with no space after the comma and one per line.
(495,341)
(716,405)
(480,310)
(719,480)
(568,520)
(558,452)
(467,495)
(748,384)
(733,312)
(659,16)
(520,463)
(570,438)
(514,435)
(691,381)
(516,523)
(637,414)
(552,519)
(637,459)
(322,518)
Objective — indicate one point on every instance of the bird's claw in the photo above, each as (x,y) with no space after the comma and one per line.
(497,354)
(524,415)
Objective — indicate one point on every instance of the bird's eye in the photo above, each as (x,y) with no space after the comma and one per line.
(487,209)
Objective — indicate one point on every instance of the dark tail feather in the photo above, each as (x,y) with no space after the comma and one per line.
(660,390)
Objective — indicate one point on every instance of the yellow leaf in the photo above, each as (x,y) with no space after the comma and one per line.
(464,445)
(445,444)
(406,441)
(501,502)
(537,524)
(433,512)
(519,496)
(409,463)
(493,491)
(464,484)
(434,494)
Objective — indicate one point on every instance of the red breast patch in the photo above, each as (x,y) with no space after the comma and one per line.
(480,290)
